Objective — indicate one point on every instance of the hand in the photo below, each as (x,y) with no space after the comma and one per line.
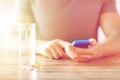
(53,49)
(81,54)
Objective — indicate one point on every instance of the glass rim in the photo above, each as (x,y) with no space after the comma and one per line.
(26,26)
(26,23)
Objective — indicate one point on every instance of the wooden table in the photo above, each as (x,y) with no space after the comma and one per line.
(65,69)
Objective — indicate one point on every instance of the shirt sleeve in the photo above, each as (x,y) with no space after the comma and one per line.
(22,14)
(109,6)
(23,11)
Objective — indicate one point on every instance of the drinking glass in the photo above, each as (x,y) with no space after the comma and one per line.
(27,40)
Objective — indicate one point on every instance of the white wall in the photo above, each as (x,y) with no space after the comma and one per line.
(6,7)
(118,5)
(100,33)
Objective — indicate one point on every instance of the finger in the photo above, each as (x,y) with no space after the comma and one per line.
(63,43)
(46,52)
(49,54)
(54,53)
(80,51)
(82,58)
(77,58)
(62,53)
(60,50)
(70,52)
(93,42)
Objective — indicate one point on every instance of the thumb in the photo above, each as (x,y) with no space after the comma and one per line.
(70,51)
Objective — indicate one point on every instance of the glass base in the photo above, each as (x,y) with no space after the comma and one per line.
(29,67)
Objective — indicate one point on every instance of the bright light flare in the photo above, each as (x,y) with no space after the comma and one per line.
(5,28)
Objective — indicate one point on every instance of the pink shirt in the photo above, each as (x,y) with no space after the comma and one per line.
(69,19)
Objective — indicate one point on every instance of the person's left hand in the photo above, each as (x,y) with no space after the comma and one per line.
(82,54)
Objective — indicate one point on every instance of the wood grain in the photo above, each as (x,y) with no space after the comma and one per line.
(63,69)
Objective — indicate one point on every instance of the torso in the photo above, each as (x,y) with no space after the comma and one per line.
(67,19)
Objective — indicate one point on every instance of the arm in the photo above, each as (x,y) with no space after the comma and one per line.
(110,23)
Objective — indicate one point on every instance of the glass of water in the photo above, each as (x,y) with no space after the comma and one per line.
(27,40)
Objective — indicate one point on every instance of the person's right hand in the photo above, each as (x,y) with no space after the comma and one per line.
(54,49)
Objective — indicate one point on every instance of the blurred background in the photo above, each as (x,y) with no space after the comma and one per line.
(6,7)
(6,12)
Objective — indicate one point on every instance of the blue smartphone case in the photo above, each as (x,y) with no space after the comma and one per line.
(81,43)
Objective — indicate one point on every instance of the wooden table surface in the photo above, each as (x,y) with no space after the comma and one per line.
(64,69)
